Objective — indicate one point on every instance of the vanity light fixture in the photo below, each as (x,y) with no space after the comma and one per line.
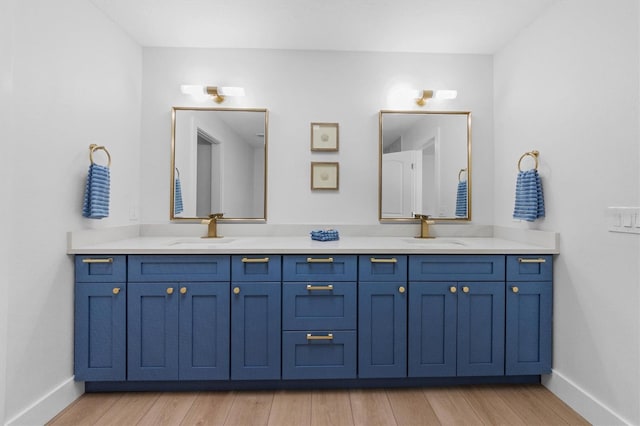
(216,93)
(421,96)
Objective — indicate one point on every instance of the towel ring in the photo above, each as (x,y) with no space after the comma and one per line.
(178,172)
(93,147)
(460,174)
(533,154)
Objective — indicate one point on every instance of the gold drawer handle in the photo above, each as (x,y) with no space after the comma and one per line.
(525,260)
(250,260)
(465,289)
(319,287)
(116,290)
(312,337)
(183,290)
(453,289)
(90,260)
(169,290)
(515,289)
(377,260)
(236,290)
(314,260)
(401,290)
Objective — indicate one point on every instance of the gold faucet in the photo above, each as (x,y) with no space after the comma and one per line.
(212,232)
(424,225)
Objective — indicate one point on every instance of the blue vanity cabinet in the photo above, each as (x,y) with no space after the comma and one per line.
(382,316)
(319,320)
(100,318)
(178,318)
(256,317)
(456,315)
(529,315)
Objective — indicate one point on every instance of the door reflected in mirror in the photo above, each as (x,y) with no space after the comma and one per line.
(424,165)
(218,163)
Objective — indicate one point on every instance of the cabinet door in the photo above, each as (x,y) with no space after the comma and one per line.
(481,316)
(529,322)
(382,330)
(432,329)
(152,310)
(100,331)
(255,331)
(204,331)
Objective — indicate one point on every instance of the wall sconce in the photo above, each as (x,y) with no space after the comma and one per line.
(421,96)
(216,93)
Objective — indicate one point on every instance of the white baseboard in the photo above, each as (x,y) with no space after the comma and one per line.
(594,411)
(49,405)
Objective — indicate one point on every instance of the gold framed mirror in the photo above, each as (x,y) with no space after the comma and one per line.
(219,163)
(424,165)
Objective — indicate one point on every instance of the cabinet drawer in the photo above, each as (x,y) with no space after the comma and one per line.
(256,268)
(189,267)
(456,268)
(530,268)
(319,355)
(101,269)
(382,268)
(319,306)
(320,267)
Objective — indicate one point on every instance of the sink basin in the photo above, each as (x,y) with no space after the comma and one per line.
(200,243)
(434,242)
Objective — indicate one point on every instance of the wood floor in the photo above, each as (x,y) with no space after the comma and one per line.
(476,405)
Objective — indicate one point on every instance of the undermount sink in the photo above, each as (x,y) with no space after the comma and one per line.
(200,243)
(434,242)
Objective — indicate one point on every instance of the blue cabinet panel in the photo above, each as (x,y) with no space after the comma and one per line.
(188,267)
(383,268)
(319,267)
(529,268)
(256,268)
(319,355)
(456,268)
(481,318)
(529,323)
(319,306)
(204,331)
(100,269)
(432,325)
(100,331)
(255,330)
(382,329)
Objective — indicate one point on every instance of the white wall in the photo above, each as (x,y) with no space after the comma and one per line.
(300,87)
(76,80)
(568,86)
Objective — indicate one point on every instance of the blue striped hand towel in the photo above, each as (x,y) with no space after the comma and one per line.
(178,206)
(96,194)
(461,200)
(529,203)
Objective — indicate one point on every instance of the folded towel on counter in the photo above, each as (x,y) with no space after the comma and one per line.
(96,194)
(325,235)
(177,194)
(461,200)
(529,204)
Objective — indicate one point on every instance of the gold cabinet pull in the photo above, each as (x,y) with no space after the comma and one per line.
(401,290)
(92,260)
(319,287)
(169,290)
(378,260)
(453,289)
(528,260)
(465,289)
(324,337)
(116,290)
(258,260)
(515,289)
(315,260)
(183,290)
(236,290)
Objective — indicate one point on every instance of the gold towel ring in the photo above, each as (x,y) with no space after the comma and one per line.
(93,147)
(533,154)
(460,174)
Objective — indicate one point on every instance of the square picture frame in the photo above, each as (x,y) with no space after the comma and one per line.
(325,175)
(324,137)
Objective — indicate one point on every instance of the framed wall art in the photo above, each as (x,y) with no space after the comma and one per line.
(324,136)
(324,175)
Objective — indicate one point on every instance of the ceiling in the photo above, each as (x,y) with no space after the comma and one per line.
(431,26)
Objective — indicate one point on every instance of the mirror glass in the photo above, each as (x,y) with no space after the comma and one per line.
(425,163)
(219,163)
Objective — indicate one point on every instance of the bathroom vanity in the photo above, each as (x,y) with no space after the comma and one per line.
(180,313)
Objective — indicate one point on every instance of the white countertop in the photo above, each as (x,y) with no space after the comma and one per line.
(304,245)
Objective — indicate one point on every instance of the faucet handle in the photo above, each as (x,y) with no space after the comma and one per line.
(216,215)
(421,216)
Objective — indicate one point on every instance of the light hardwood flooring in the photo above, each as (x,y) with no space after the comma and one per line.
(474,405)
